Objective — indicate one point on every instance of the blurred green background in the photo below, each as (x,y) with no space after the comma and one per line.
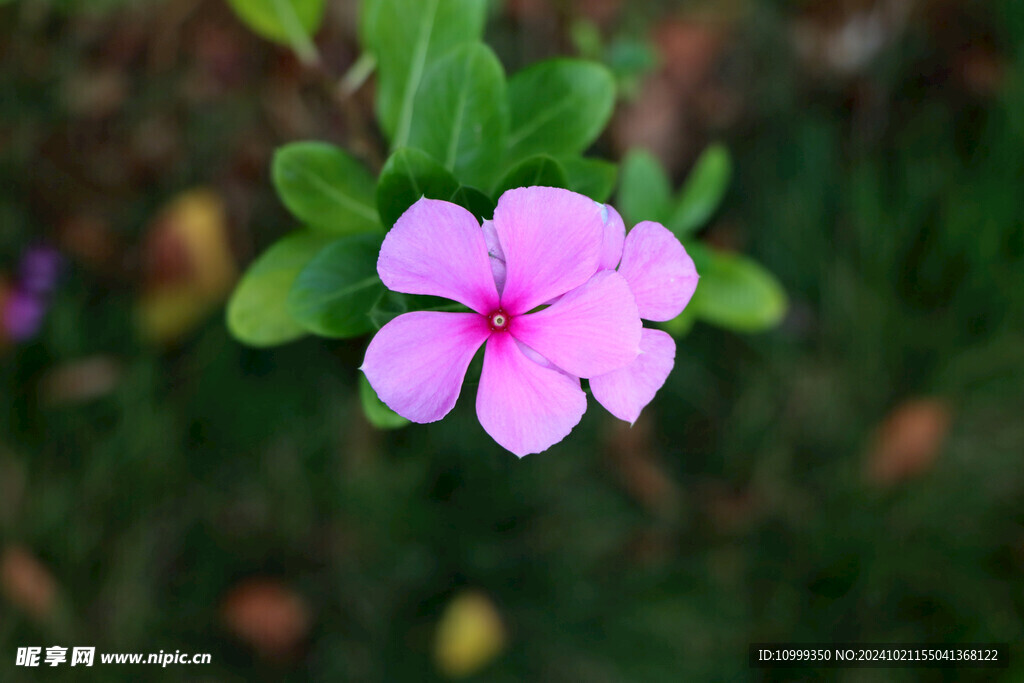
(853,475)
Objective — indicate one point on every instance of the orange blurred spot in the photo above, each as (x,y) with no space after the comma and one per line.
(267,615)
(27,583)
(908,441)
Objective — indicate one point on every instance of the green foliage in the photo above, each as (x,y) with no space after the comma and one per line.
(645,193)
(628,58)
(455,127)
(593,177)
(408,175)
(644,190)
(474,201)
(334,293)
(459,133)
(407,36)
(393,304)
(539,170)
(288,22)
(734,292)
(325,188)
(257,313)
(377,414)
(737,293)
(703,192)
(557,107)
(388,307)
(461,113)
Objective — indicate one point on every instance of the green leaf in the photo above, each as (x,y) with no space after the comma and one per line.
(539,170)
(408,175)
(393,304)
(644,191)
(377,414)
(288,22)
(408,36)
(737,293)
(462,114)
(387,308)
(325,188)
(628,57)
(703,192)
(474,201)
(257,314)
(335,292)
(594,178)
(558,107)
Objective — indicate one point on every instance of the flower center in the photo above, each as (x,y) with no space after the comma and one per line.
(498,320)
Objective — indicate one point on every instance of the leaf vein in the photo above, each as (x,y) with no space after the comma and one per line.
(352,204)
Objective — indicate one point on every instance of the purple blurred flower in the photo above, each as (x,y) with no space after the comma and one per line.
(25,304)
(552,244)
(40,266)
(22,314)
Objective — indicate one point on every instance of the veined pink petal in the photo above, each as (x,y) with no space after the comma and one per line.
(438,248)
(614,236)
(592,330)
(552,243)
(659,271)
(416,363)
(524,407)
(495,253)
(625,392)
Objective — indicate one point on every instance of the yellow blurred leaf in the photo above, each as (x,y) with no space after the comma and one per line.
(188,267)
(470,635)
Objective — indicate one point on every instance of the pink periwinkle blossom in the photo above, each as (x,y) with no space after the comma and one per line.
(553,258)
(662,278)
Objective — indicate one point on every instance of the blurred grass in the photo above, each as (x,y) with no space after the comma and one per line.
(740,509)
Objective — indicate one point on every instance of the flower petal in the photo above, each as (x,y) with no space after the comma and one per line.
(659,271)
(496,255)
(552,243)
(526,408)
(592,330)
(614,236)
(416,363)
(438,248)
(625,392)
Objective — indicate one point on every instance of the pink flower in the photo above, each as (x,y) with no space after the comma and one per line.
(662,277)
(551,244)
